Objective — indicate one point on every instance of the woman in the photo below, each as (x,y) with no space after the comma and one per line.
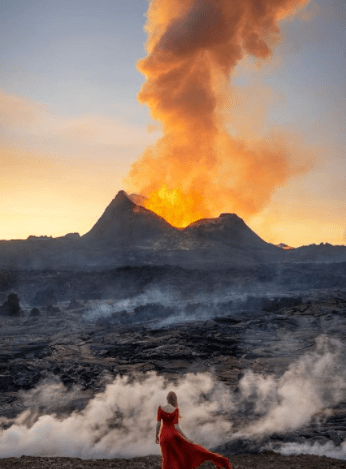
(178,452)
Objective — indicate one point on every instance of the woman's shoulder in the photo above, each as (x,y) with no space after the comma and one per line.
(168,408)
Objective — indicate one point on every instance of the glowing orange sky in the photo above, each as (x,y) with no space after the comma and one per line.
(272,149)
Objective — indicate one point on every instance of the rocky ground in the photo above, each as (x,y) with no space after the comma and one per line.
(266,460)
(85,342)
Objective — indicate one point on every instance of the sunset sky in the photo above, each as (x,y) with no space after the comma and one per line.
(71,125)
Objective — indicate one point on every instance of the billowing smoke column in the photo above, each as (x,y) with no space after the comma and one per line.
(197,169)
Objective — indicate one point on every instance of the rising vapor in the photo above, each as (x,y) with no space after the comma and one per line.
(197,169)
(120,422)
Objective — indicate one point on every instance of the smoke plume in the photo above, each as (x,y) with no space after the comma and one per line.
(197,169)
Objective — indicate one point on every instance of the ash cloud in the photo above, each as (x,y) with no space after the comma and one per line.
(193,48)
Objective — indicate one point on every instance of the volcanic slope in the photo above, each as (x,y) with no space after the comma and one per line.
(131,227)
(126,223)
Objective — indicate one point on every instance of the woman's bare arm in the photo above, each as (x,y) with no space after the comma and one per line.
(158,426)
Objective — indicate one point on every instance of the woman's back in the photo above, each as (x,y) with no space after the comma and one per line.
(170,417)
(168,408)
(177,451)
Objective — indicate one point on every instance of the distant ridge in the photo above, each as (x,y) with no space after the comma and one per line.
(128,234)
(227,229)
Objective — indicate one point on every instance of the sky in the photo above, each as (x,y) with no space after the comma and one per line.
(71,125)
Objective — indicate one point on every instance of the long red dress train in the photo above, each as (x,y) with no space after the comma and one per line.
(177,452)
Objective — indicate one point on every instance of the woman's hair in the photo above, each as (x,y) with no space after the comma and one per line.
(172,399)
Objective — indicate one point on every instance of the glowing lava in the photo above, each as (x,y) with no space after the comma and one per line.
(174,207)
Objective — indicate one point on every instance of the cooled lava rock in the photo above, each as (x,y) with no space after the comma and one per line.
(52,309)
(45,296)
(11,307)
(34,313)
(74,304)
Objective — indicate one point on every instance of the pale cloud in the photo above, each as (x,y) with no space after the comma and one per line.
(42,194)
(21,113)
(57,173)
(23,170)
(100,129)
(309,12)
(28,117)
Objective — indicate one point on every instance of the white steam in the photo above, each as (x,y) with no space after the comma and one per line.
(105,308)
(330,450)
(313,383)
(120,422)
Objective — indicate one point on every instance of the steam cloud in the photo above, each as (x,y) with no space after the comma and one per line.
(197,169)
(330,450)
(313,383)
(120,422)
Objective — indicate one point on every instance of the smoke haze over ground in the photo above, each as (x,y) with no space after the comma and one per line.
(256,356)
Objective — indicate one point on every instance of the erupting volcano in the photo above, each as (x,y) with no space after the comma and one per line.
(197,169)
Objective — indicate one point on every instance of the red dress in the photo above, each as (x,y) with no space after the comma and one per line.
(177,452)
